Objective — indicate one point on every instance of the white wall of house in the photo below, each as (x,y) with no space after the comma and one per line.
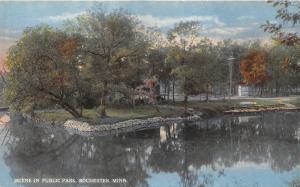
(244,90)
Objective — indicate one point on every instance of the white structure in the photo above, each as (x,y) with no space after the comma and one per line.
(244,90)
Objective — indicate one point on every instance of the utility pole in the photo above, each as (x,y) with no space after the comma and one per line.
(230,63)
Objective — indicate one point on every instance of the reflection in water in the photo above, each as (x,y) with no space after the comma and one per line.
(169,131)
(259,150)
(297,134)
(4,119)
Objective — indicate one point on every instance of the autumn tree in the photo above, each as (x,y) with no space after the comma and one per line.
(253,68)
(42,67)
(116,43)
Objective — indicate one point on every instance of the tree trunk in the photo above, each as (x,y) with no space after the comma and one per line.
(103,102)
(70,109)
(74,113)
(133,102)
(103,105)
(185,104)
(277,90)
(64,104)
(173,90)
(165,94)
(81,109)
(206,99)
(168,96)
(207,92)
(223,92)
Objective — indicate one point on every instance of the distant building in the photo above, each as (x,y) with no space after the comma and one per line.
(246,90)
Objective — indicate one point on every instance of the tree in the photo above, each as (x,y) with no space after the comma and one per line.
(42,67)
(223,50)
(183,38)
(253,68)
(208,66)
(156,59)
(116,42)
(289,16)
(279,68)
(172,61)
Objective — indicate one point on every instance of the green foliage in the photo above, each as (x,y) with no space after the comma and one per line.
(115,44)
(287,16)
(40,71)
(101,57)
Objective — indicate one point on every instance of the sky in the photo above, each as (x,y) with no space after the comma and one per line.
(240,174)
(238,20)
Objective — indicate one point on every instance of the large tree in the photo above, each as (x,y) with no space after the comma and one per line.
(183,39)
(42,67)
(279,68)
(116,43)
(210,66)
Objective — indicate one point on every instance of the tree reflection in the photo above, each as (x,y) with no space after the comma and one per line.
(187,149)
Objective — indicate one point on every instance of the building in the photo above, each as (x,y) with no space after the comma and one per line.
(246,90)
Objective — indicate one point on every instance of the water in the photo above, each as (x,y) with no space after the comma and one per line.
(240,151)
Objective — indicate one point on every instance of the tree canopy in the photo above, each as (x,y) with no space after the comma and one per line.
(116,43)
(43,67)
(254,68)
(100,58)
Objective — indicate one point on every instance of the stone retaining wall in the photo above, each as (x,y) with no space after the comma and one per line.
(84,128)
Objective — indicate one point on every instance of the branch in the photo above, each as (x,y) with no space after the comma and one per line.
(97,54)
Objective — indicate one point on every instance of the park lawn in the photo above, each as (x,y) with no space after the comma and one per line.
(142,112)
(218,106)
(91,115)
(146,111)
(295,102)
(223,103)
(261,101)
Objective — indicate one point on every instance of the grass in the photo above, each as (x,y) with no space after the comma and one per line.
(147,111)
(223,103)
(295,102)
(219,106)
(55,115)
(141,112)
(120,113)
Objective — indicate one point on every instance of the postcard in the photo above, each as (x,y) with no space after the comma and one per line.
(150,93)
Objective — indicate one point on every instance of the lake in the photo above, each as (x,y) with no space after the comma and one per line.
(235,151)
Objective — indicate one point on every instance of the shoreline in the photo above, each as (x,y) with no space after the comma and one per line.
(261,110)
(197,112)
(85,129)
